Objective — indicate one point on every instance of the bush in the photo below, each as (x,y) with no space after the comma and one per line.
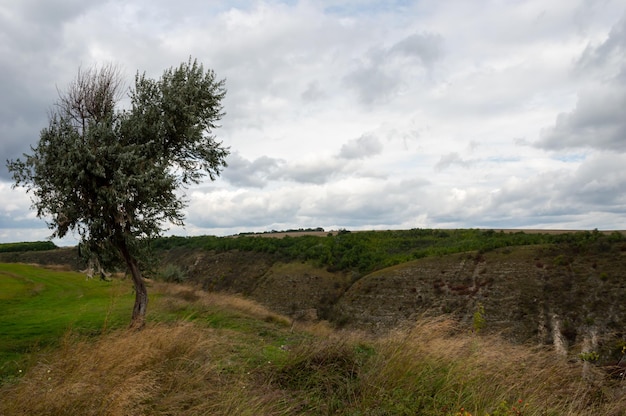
(173,274)
(478,321)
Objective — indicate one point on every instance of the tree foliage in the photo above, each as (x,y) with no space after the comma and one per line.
(27,246)
(111,175)
(366,251)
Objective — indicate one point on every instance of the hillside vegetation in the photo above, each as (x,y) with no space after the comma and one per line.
(208,353)
(431,322)
(27,246)
(560,289)
(365,251)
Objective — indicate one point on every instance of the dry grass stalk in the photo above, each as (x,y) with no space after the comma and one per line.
(186,368)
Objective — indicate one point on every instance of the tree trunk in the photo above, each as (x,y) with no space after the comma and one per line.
(138,319)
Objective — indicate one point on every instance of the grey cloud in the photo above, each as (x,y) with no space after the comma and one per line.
(9,221)
(556,197)
(452,158)
(23,113)
(364,146)
(372,84)
(540,196)
(313,92)
(257,173)
(381,74)
(246,173)
(597,122)
(380,202)
(600,182)
(598,119)
(14,211)
(512,206)
(311,172)
(34,48)
(37,26)
(289,66)
(356,8)
(427,47)
(550,199)
(611,52)
(247,210)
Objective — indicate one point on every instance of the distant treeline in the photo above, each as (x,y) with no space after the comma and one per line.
(27,246)
(366,251)
(291,230)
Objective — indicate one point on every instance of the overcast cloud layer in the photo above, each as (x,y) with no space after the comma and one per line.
(356,114)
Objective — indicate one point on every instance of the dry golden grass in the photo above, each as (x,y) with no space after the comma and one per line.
(167,369)
(162,370)
(188,367)
(178,296)
(479,372)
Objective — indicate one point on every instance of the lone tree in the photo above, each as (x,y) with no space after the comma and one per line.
(111,175)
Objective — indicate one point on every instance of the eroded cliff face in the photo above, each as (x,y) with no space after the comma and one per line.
(574,300)
(298,290)
(542,295)
(529,294)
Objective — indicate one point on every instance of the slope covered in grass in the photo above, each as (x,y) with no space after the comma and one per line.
(213,354)
(38,305)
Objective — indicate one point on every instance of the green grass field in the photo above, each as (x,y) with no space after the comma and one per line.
(64,349)
(38,306)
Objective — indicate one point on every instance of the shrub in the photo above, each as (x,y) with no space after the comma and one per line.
(173,273)
(478,320)
(590,356)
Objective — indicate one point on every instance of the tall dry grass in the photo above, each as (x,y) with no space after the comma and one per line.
(445,369)
(172,297)
(438,368)
(268,367)
(163,370)
(173,368)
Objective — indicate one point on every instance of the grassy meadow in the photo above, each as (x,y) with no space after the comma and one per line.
(65,349)
(39,305)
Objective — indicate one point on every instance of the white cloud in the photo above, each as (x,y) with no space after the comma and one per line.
(244,173)
(357,114)
(450,159)
(598,120)
(365,146)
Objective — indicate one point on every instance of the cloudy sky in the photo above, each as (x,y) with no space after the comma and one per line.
(359,114)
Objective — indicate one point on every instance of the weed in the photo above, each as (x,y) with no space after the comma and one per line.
(590,356)
(561,260)
(507,409)
(478,319)
(173,273)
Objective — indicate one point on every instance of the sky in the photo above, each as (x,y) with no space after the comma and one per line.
(355,115)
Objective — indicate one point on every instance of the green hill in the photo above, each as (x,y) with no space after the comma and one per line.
(38,306)
(563,289)
(65,351)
